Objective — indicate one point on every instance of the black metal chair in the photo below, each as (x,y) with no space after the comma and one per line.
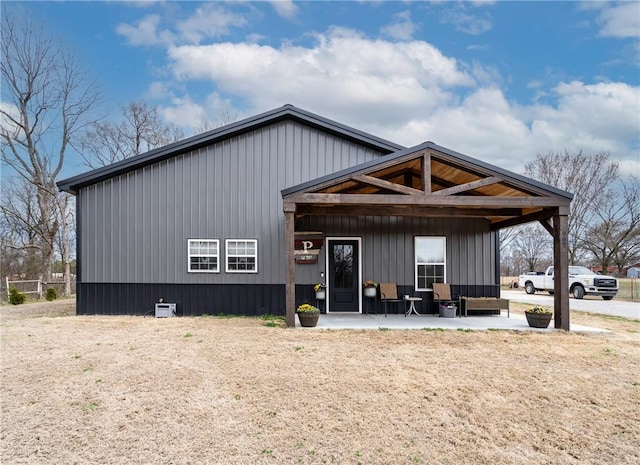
(389,294)
(442,295)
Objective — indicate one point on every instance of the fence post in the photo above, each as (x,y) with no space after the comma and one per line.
(8,294)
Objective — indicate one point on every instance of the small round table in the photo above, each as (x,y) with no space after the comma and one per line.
(412,306)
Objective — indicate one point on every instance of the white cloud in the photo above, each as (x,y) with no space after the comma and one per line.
(203,115)
(598,117)
(483,126)
(402,27)
(343,70)
(207,21)
(472,24)
(145,32)
(159,90)
(183,109)
(285,8)
(9,112)
(409,92)
(620,20)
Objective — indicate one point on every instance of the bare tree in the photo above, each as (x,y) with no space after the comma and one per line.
(138,131)
(65,207)
(506,238)
(532,247)
(46,102)
(584,175)
(226,117)
(614,239)
(21,229)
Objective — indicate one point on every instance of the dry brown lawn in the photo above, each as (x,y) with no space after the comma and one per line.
(133,390)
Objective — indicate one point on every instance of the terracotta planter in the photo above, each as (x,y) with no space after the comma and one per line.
(321,295)
(538,320)
(370,292)
(308,319)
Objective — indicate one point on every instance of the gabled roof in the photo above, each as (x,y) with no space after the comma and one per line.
(453,158)
(73,184)
(429,180)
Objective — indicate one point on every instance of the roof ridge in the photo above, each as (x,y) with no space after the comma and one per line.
(72,184)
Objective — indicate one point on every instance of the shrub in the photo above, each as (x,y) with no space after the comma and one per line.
(51,294)
(16,297)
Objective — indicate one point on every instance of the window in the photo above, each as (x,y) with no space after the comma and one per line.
(203,255)
(242,255)
(430,261)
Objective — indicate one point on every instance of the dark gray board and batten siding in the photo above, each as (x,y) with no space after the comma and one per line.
(139,222)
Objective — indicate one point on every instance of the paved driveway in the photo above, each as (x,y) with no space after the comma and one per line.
(588,304)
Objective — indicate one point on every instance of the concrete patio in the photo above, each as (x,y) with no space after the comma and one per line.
(514,322)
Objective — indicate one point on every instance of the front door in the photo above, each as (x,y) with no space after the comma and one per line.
(343,275)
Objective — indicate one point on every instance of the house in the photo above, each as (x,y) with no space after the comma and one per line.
(611,270)
(246,218)
(633,272)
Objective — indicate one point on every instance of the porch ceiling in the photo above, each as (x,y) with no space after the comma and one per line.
(429,183)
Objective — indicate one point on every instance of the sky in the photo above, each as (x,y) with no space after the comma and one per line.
(498,81)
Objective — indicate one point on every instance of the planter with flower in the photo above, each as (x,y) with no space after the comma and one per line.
(321,291)
(308,315)
(538,317)
(370,288)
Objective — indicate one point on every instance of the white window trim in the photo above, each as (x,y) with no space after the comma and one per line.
(189,255)
(227,255)
(415,259)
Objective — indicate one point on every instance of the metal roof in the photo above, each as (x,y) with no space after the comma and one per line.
(73,184)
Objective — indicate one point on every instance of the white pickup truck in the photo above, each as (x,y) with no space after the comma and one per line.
(582,281)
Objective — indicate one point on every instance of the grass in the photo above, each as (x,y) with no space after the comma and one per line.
(273,321)
(254,394)
(629,289)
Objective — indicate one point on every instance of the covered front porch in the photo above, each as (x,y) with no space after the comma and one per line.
(428,182)
(430,322)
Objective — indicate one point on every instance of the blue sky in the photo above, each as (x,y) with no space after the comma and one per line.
(498,81)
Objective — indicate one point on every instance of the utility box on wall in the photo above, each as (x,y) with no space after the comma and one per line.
(165,310)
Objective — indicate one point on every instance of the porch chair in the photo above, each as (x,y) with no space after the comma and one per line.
(442,295)
(389,294)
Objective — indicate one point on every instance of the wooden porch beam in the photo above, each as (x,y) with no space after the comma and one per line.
(546,224)
(528,218)
(425,200)
(384,184)
(404,210)
(468,186)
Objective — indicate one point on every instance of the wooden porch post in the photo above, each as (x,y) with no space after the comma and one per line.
(561,269)
(426,173)
(290,271)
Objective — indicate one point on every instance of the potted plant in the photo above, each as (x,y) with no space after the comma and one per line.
(320,289)
(370,288)
(308,315)
(538,317)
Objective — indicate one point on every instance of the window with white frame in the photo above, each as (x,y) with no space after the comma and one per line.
(430,261)
(242,255)
(203,255)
